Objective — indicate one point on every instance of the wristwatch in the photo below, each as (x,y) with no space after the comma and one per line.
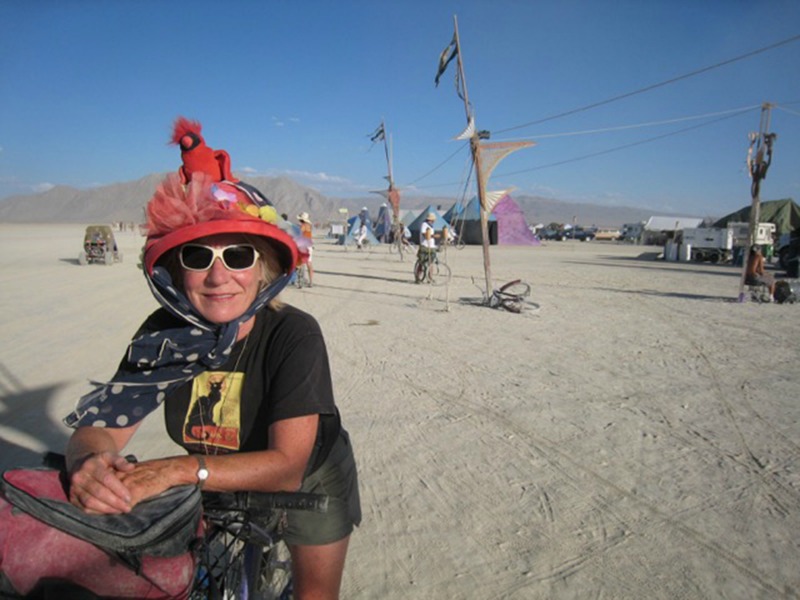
(202,470)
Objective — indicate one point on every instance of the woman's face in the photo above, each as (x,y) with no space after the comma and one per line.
(218,294)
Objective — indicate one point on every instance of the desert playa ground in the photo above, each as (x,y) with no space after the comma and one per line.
(636,434)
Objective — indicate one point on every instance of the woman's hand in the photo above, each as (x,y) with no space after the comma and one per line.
(96,486)
(150,478)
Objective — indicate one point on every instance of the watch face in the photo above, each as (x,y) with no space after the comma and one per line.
(202,474)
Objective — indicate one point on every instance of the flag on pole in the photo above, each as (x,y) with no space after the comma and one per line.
(447,55)
(378,135)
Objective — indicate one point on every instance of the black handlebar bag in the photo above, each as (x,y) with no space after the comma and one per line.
(46,542)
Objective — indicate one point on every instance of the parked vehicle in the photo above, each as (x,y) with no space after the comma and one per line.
(712,244)
(789,253)
(99,246)
(608,234)
(552,234)
(582,234)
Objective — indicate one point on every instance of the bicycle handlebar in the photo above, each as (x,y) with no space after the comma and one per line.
(257,502)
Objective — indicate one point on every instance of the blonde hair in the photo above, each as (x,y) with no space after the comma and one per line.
(270,264)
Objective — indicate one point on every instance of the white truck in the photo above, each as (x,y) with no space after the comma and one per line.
(716,244)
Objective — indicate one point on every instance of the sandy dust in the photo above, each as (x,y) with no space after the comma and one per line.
(635,435)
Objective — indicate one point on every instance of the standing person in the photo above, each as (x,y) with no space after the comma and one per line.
(306,230)
(244,379)
(755,275)
(361,234)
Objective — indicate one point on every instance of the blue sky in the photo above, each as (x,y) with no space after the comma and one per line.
(89,90)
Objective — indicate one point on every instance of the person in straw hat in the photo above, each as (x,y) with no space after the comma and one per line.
(244,379)
(306,231)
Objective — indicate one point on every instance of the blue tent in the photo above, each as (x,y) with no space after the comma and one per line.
(415,226)
(353,225)
(383,225)
(466,220)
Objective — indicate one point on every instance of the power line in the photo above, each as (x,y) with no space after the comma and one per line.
(625,146)
(653,86)
(646,124)
(783,108)
(727,114)
(437,167)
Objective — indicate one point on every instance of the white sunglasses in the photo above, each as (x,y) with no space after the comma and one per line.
(236,257)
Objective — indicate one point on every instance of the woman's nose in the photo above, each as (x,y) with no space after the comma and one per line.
(218,273)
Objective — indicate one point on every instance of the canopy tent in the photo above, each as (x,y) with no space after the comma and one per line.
(383,224)
(466,220)
(415,226)
(512,228)
(785,214)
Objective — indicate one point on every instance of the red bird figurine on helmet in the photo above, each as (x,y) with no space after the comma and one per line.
(196,156)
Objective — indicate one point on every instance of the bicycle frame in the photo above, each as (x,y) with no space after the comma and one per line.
(242,555)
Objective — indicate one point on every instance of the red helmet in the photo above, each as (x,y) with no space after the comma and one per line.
(177,214)
(203,198)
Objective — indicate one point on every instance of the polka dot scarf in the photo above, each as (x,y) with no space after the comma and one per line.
(161,361)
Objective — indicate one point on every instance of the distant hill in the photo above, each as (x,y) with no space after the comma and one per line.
(126,201)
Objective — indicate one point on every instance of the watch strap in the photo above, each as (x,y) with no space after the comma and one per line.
(202,470)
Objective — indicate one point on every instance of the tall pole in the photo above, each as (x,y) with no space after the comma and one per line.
(758,163)
(475,147)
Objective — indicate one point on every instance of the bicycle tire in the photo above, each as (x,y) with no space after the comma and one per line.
(514,306)
(268,574)
(516,289)
(420,271)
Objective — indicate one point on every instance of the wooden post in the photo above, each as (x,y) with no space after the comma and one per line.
(758,164)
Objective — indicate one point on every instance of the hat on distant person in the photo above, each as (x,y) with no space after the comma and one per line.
(303,216)
(204,198)
(430,217)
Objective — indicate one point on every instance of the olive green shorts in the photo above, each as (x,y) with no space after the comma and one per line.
(337,478)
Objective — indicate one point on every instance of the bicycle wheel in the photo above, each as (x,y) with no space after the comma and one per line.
(274,576)
(514,306)
(516,289)
(222,567)
(420,271)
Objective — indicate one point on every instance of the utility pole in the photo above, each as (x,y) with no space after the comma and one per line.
(759,157)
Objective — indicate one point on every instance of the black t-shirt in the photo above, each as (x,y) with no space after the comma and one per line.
(279,371)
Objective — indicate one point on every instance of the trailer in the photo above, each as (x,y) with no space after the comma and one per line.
(712,244)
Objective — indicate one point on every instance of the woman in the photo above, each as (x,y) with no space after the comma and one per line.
(245,380)
(306,230)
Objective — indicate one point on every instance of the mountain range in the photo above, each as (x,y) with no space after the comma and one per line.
(125,202)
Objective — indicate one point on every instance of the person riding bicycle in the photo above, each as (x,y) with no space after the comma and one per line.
(244,379)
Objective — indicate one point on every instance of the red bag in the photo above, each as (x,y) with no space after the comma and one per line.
(34,554)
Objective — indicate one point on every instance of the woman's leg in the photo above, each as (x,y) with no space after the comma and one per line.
(317,570)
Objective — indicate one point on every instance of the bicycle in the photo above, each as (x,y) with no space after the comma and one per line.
(510,296)
(301,278)
(457,242)
(241,555)
(429,269)
(400,244)
(401,247)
